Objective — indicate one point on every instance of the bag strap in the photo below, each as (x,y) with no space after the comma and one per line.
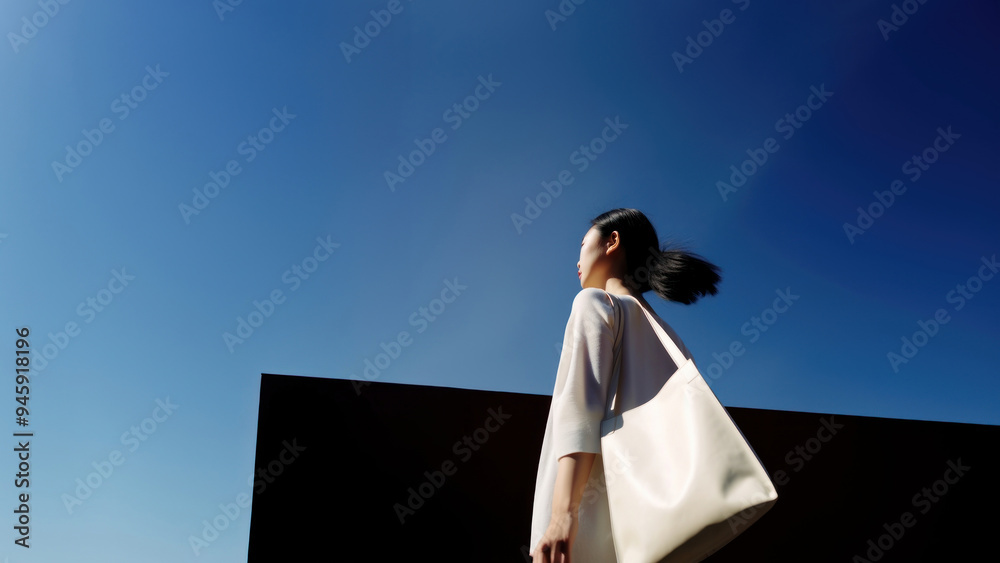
(675,352)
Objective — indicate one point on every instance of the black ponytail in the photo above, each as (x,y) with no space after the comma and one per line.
(673,273)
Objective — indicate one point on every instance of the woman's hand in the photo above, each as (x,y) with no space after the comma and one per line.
(557,542)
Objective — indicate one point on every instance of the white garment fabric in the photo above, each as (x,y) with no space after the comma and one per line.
(578,407)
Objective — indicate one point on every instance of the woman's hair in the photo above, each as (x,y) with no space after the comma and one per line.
(672,272)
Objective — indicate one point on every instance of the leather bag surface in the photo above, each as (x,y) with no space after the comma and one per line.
(694,483)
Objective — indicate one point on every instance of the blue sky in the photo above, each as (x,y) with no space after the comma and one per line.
(205,91)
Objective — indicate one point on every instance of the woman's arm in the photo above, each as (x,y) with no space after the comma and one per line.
(577,409)
(571,479)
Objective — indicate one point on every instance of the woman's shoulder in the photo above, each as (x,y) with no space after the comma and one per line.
(593,302)
(590,296)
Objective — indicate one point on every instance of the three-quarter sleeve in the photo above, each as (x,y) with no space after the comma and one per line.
(584,373)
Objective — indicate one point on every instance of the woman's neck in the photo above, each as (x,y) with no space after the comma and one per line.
(615,286)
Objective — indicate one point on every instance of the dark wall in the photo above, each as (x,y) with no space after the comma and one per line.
(366,471)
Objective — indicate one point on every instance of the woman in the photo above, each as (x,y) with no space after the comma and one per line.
(619,254)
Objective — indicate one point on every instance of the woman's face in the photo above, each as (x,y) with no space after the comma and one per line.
(593,267)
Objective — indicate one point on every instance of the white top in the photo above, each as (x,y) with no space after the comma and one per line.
(578,406)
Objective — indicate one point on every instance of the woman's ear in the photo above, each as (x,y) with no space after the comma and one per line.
(613,241)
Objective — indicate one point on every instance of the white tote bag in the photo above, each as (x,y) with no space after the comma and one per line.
(695,483)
